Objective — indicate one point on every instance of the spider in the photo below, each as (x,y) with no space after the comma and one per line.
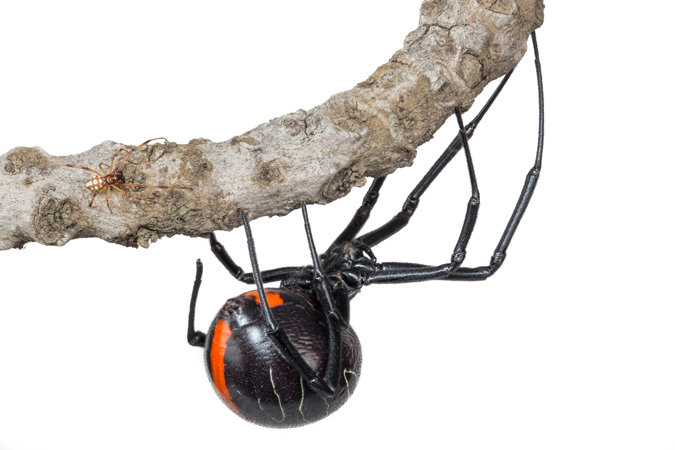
(287,356)
(114,177)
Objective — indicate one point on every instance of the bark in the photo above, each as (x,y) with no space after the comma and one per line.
(315,156)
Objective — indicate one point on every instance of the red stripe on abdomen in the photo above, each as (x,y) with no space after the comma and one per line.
(221,334)
(273,297)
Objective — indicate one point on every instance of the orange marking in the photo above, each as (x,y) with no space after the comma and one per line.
(273,297)
(220,336)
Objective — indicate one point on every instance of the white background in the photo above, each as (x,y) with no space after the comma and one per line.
(570,345)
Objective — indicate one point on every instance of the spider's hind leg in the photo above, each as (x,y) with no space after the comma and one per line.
(94,196)
(131,196)
(237,272)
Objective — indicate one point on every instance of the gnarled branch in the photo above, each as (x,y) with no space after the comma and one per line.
(314,156)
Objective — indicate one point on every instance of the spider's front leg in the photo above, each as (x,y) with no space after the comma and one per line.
(405,272)
(400,220)
(363,213)
(327,385)
(129,152)
(75,167)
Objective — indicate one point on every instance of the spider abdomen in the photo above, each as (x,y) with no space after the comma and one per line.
(252,377)
(96,183)
(111,179)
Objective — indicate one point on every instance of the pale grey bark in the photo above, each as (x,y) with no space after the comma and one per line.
(315,156)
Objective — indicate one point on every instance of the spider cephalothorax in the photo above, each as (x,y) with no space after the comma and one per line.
(346,267)
(287,356)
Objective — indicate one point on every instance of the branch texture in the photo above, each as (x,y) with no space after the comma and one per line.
(314,156)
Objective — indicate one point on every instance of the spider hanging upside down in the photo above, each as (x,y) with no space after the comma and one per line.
(287,356)
(114,177)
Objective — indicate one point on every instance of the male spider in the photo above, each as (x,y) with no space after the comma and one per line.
(114,177)
(287,356)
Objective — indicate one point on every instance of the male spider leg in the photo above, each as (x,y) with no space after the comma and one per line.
(129,153)
(237,272)
(107,195)
(401,219)
(94,196)
(112,161)
(195,338)
(276,333)
(77,167)
(404,273)
(131,196)
(155,187)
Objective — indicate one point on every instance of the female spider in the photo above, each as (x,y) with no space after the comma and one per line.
(287,356)
(114,177)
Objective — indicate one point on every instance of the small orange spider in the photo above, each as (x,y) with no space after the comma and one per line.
(114,178)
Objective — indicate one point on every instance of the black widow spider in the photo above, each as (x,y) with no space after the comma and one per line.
(287,356)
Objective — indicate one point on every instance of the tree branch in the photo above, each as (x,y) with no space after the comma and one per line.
(314,156)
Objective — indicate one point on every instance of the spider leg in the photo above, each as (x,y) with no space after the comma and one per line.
(406,273)
(130,152)
(132,196)
(77,167)
(325,387)
(362,214)
(148,186)
(471,215)
(94,196)
(112,162)
(237,272)
(195,338)
(107,197)
(334,320)
(400,220)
